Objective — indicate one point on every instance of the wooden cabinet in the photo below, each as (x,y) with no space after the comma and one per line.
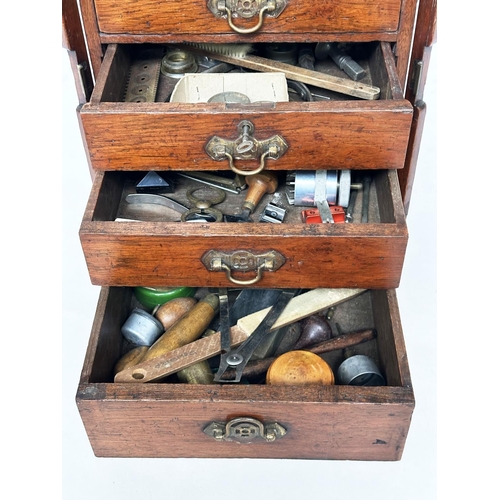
(124,140)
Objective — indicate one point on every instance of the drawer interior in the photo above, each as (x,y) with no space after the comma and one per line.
(370,310)
(120,59)
(374,195)
(171,419)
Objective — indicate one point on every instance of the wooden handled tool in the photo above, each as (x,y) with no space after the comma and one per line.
(187,329)
(258,186)
(298,308)
(258,367)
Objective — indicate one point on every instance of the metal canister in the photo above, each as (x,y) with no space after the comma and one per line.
(141,328)
(359,370)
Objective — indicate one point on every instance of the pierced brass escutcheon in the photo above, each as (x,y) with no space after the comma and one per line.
(242,261)
(246,9)
(244,430)
(246,147)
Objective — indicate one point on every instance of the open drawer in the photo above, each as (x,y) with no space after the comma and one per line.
(341,131)
(281,17)
(147,245)
(173,419)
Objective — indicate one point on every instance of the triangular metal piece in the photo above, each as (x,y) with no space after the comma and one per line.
(153,182)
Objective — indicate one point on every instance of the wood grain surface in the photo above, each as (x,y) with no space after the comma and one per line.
(167,420)
(175,16)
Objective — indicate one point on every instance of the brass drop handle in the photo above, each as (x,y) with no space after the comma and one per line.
(246,147)
(252,281)
(243,261)
(245,430)
(238,171)
(246,9)
(269,7)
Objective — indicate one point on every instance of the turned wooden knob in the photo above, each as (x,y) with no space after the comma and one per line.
(315,329)
(300,368)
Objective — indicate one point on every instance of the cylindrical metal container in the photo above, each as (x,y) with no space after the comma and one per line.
(359,370)
(141,328)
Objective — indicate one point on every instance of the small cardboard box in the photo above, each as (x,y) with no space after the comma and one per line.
(200,87)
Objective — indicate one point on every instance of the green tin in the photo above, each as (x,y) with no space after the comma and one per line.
(151,297)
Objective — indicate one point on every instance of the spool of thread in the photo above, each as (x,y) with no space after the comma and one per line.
(300,368)
(141,328)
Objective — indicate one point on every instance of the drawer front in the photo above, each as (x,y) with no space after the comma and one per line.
(341,132)
(157,253)
(150,17)
(168,419)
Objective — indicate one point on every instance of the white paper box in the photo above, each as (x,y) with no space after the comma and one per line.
(200,87)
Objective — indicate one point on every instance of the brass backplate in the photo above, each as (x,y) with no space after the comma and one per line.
(244,430)
(245,8)
(242,260)
(246,146)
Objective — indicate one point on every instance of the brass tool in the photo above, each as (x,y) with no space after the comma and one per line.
(176,63)
(203,206)
(258,186)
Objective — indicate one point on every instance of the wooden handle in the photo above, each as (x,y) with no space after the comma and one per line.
(178,359)
(258,186)
(187,329)
(258,367)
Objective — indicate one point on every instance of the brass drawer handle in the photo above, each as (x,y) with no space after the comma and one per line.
(243,282)
(238,171)
(242,261)
(244,31)
(245,430)
(246,147)
(246,9)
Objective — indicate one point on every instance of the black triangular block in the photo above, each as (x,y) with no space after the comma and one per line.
(154,182)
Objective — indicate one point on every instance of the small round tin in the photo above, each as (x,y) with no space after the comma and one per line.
(141,328)
(230,97)
(359,370)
